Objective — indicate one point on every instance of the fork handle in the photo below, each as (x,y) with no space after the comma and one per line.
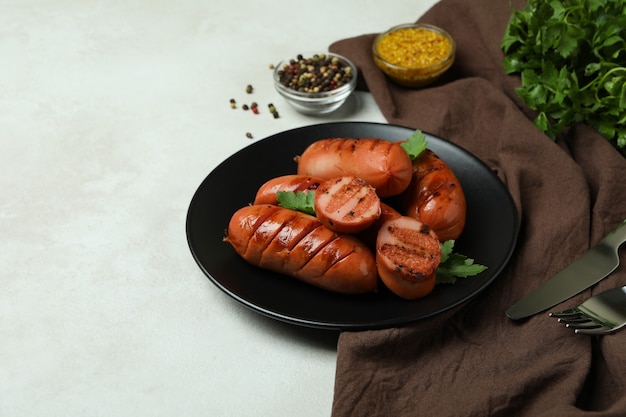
(617,236)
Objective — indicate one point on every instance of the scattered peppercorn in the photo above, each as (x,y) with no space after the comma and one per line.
(273,110)
(319,73)
(233,103)
(245,107)
(249,89)
(249,135)
(255,110)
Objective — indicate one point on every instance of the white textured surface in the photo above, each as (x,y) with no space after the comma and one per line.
(111,114)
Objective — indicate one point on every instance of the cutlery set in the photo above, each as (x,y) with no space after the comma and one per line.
(600,314)
(603,313)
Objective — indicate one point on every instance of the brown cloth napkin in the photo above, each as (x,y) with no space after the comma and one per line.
(473,360)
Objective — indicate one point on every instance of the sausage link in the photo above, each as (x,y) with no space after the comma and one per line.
(346,204)
(297,244)
(407,255)
(382,163)
(435,196)
(266,194)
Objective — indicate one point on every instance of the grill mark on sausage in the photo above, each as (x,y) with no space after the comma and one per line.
(330,255)
(280,241)
(386,145)
(318,248)
(258,222)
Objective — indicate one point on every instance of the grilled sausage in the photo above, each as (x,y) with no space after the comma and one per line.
(298,245)
(346,204)
(407,256)
(382,163)
(435,196)
(266,194)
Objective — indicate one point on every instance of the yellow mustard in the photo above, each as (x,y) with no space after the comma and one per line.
(414,47)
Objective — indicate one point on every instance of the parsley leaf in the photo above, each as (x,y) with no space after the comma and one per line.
(571,56)
(300,200)
(415,144)
(454,265)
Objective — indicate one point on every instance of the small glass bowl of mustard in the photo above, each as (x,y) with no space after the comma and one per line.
(414,54)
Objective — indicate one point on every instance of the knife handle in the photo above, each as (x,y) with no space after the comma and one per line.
(617,236)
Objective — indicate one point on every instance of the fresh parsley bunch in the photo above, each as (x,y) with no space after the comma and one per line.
(571,55)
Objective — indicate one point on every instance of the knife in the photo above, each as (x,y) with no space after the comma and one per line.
(593,266)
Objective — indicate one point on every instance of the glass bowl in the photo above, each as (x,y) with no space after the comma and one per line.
(315,84)
(414,55)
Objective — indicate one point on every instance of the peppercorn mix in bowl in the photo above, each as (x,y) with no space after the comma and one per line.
(315,84)
(414,55)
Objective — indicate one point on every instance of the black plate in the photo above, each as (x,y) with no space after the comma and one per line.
(489,236)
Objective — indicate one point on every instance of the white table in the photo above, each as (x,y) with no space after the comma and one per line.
(111,114)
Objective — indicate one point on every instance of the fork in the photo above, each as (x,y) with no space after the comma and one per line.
(601,314)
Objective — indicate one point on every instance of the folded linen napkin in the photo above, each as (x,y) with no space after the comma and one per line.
(473,360)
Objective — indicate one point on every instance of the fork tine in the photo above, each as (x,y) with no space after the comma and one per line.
(574,320)
(601,329)
(588,325)
(565,313)
(597,330)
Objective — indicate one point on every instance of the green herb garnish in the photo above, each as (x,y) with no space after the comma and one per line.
(415,144)
(455,265)
(300,200)
(571,55)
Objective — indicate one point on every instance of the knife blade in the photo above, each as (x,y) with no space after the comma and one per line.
(597,263)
